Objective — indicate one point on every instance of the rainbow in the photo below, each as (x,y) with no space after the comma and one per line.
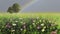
(27,5)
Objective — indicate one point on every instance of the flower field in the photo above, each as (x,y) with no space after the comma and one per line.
(28,23)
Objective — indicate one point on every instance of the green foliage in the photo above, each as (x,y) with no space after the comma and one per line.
(14,9)
(10,10)
(27,25)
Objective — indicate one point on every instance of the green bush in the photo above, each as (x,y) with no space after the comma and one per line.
(27,25)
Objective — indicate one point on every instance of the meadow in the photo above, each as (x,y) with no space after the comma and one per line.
(46,18)
(55,16)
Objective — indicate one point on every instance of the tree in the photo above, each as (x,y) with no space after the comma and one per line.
(10,10)
(15,8)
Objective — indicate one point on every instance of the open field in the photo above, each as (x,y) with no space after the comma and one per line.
(53,16)
(26,15)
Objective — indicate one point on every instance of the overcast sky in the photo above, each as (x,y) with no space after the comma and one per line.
(4,4)
(39,6)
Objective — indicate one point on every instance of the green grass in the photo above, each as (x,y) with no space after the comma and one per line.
(55,16)
(6,16)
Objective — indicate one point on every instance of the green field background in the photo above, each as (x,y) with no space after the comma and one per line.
(55,16)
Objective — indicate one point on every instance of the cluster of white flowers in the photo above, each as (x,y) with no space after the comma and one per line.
(14,24)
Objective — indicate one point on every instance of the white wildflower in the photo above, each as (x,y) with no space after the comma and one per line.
(16,21)
(39,20)
(44,27)
(12,30)
(34,24)
(42,24)
(21,29)
(34,21)
(37,17)
(14,24)
(43,30)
